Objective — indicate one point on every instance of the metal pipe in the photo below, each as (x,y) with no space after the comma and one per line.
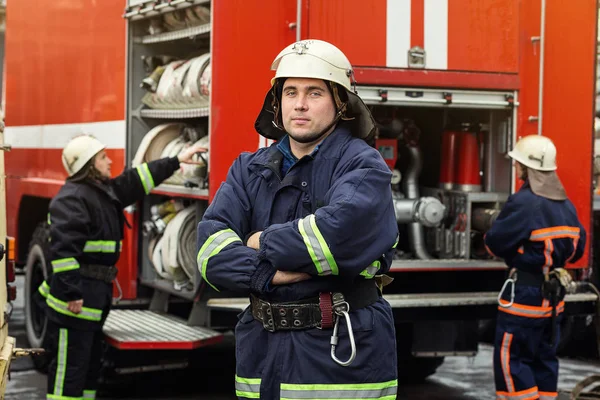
(411,190)
(541,84)
(298,20)
(488,157)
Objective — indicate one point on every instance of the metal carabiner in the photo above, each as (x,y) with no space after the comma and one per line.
(341,308)
(512,293)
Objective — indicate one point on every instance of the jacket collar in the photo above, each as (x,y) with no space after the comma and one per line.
(331,147)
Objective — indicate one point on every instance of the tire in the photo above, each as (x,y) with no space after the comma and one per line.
(417,369)
(36,271)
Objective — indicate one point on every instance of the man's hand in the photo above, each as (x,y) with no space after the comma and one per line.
(75,306)
(287,277)
(254,240)
(186,156)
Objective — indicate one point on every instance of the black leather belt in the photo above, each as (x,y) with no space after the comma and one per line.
(309,313)
(105,273)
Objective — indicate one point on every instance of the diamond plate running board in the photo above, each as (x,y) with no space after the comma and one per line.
(149,330)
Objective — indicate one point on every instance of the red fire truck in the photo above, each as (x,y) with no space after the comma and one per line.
(452,84)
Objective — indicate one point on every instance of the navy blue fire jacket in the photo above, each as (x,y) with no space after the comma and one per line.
(534,234)
(331,215)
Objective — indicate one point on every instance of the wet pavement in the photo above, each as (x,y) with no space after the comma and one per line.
(459,378)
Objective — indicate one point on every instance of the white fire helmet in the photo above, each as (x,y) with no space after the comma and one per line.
(536,152)
(79,151)
(314,59)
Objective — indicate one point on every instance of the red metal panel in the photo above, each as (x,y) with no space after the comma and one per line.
(529,25)
(65,62)
(568,115)
(417,23)
(156,345)
(447,79)
(357,29)
(483,35)
(241,73)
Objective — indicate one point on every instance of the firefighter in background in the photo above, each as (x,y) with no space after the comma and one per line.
(86,228)
(537,233)
(303,227)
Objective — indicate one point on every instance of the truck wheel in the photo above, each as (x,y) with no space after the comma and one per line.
(36,271)
(417,369)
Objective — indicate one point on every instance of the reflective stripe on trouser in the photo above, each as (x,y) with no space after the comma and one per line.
(384,390)
(548,395)
(75,362)
(247,388)
(525,362)
(298,364)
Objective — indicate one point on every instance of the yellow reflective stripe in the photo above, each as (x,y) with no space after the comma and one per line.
(371,270)
(396,243)
(146,177)
(87,313)
(64,264)
(61,361)
(55,397)
(383,390)
(247,387)
(100,246)
(317,246)
(212,246)
(89,394)
(49,222)
(44,289)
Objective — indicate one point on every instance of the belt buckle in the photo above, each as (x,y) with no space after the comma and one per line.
(267,311)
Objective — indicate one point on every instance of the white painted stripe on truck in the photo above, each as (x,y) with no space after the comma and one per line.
(111,133)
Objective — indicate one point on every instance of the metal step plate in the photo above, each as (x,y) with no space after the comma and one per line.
(413,300)
(149,330)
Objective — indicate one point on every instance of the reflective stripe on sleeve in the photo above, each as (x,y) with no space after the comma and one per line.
(371,270)
(44,289)
(146,177)
(100,246)
(317,246)
(383,390)
(247,388)
(213,245)
(64,264)
(557,232)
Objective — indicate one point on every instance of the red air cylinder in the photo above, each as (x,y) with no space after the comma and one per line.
(468,178)
(448,159)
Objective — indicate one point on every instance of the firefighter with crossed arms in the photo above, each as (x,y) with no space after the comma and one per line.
(303,227)
(537,233)
(86,228)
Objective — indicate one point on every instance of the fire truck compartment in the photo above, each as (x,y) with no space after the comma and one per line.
(149,330)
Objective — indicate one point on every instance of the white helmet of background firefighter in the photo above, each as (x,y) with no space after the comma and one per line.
(538,155)
(536,152)
(318,60)
(79,151)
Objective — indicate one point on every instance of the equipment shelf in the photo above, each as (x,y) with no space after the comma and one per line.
(175,114)
(181,191)
(174,35)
